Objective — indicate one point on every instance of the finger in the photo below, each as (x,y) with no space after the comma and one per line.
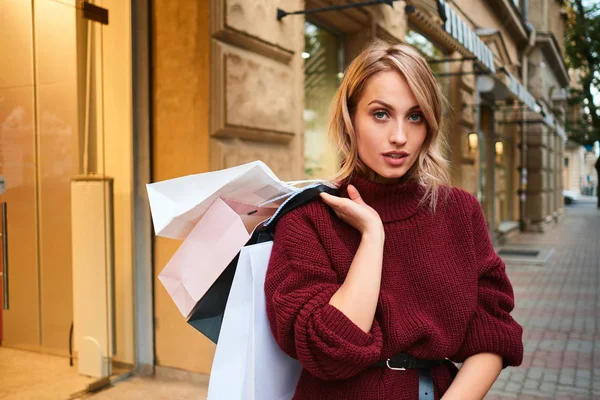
(333,201)
(329,199)
(354,195)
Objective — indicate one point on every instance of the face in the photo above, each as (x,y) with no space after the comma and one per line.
(390,127)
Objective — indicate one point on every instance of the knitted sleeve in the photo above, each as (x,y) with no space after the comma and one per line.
(299,284)
(491,329)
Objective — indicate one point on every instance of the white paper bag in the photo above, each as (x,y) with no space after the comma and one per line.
(248,363)
(178,204)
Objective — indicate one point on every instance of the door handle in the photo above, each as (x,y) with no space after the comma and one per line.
(5,255)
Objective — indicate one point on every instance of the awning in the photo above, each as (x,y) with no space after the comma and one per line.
(560,131)
(459,30)
(548,119)
(521,93)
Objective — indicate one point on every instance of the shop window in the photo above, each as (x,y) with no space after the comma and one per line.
(322,75)
(430,50)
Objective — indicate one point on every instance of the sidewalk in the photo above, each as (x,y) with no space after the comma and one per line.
(558,306)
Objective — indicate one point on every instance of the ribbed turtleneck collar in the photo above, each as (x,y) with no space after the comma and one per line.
(392,201)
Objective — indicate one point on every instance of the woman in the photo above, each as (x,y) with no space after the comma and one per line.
(373,291)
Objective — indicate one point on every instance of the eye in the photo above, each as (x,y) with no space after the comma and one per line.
(415,117)
(380,115)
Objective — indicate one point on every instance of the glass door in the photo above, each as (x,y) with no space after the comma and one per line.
(38,157)
(21,325)
(322,75)
(57,73)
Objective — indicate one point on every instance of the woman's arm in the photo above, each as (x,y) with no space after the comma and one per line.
(300,284)
(475,378)
(357,297)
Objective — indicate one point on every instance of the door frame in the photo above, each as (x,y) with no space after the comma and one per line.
(143,271)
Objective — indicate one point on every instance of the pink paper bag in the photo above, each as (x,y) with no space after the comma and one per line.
(208,249)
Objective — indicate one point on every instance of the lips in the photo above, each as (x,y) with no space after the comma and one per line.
(396,155)
(395,158)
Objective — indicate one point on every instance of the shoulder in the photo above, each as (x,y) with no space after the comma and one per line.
(458,201)
(303,220)
(301,233)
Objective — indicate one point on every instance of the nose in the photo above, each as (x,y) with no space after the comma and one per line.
(397,134)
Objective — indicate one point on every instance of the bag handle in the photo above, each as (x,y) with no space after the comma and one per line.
(306,181)
(311,182)
(301,197)
(297,200)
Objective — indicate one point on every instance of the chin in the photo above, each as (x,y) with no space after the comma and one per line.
(389,176)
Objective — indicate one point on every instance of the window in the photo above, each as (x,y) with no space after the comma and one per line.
(431,51)
(322,75)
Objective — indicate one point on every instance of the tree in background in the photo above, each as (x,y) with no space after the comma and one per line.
(583,55)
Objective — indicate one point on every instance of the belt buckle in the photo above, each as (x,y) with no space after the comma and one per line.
(394,368)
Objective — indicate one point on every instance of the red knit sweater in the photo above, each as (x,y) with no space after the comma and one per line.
(444,294)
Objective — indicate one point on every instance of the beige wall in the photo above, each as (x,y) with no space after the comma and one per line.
(557,24)
(545,15)
(180,142)
(257,86)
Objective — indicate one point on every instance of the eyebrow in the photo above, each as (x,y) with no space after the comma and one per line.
(383,103)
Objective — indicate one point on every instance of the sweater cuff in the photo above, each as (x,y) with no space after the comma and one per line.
(347,330)
(487,334)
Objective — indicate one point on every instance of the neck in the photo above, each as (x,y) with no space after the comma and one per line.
(393,201)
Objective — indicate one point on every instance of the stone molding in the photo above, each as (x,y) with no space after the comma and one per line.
(226,153)
(236,77)
(250,38)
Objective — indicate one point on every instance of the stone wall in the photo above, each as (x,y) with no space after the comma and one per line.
(256,85)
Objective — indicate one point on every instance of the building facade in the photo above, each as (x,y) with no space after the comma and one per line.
(170,88)
(249,82)
(573,168)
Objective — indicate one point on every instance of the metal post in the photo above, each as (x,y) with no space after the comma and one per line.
(143,273)
(5,255)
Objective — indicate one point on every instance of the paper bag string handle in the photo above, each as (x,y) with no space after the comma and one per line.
(309,181)
(312,182)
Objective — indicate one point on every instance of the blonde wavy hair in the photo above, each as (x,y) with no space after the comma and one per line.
(431,168)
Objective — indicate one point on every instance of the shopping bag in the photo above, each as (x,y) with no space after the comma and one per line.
(207,317)
(248,363)
(178,204)
(270,373)
(207,250)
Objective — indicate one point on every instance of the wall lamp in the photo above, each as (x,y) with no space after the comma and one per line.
(473,141)
(499,149)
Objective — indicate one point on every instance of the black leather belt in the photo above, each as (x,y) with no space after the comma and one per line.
(403,361)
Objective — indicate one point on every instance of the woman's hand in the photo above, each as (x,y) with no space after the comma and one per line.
(355,212)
